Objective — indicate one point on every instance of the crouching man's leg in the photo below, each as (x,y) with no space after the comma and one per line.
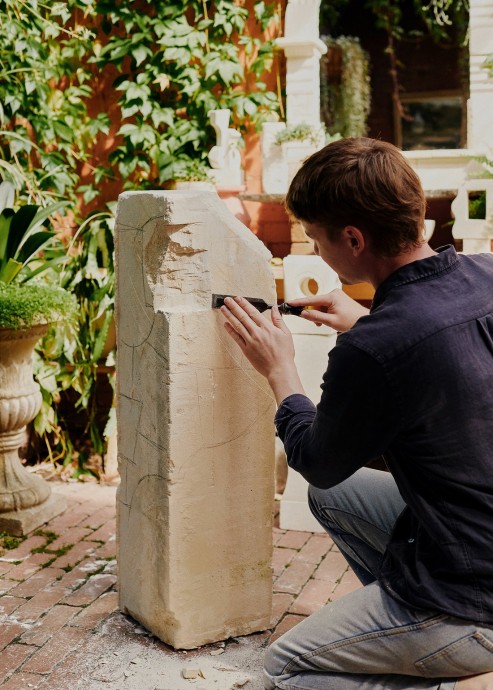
(368,640)
(359,514)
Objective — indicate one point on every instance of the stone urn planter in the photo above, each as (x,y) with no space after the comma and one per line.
(274,164)
(199,185)
(298,142)
(26,501)
(295,153)
(27,310)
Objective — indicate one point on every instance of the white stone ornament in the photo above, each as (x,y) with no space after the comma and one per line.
(305,276)
(302,20)
(429,229)
(274,165)
(476,234)
(224,157)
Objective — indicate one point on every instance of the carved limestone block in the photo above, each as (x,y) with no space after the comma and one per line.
(195,421)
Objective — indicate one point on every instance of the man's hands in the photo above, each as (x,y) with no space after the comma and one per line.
(335,309)
(268,345)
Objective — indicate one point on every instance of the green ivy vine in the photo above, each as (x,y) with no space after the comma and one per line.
(176,62)
(170,62)
(345,102)
(446,21)
(161,65)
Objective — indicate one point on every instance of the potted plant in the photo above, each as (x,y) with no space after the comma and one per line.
(300,141)
(302,133)
(27,308)
(190,173)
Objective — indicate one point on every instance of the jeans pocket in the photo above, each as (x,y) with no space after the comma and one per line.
(467,656)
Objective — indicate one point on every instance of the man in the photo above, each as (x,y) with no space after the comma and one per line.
(412,380)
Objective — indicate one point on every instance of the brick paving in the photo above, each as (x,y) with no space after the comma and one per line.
(58,592)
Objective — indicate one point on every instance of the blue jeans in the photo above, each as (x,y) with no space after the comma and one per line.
(368,640)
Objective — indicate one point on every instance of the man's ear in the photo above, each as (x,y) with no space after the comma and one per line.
(355,239)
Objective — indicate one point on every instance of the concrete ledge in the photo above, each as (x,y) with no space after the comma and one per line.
(441,169)
(20,522)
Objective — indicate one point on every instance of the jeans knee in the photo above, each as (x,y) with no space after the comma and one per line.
(317,502)
(313,499)
(273,666)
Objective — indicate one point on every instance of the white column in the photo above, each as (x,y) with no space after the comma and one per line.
(302,80)
(480,106)
(303,49)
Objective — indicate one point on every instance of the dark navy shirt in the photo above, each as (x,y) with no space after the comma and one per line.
(413,381)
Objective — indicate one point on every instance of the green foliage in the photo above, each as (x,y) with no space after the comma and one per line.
(443,15)
(302,132)
(8,543)
(45,126)
(177,61)
(27,305)
(477,205)
(345,103)
(444,20)
(173,62)
(70,362)
(21,239)
(191,170)
(167,64)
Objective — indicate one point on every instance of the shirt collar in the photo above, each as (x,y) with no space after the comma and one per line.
(445,259)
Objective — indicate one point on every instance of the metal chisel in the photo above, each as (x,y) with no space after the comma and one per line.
(260,304)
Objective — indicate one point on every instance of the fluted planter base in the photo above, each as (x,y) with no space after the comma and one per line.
(18,523)
(26,501)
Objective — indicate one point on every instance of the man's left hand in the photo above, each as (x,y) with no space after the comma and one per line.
(268,345)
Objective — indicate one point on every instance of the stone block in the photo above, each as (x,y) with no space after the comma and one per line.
(195,423)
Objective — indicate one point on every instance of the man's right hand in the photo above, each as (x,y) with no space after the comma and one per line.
(335,309)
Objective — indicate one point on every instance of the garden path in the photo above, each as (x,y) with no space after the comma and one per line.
(61,628)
